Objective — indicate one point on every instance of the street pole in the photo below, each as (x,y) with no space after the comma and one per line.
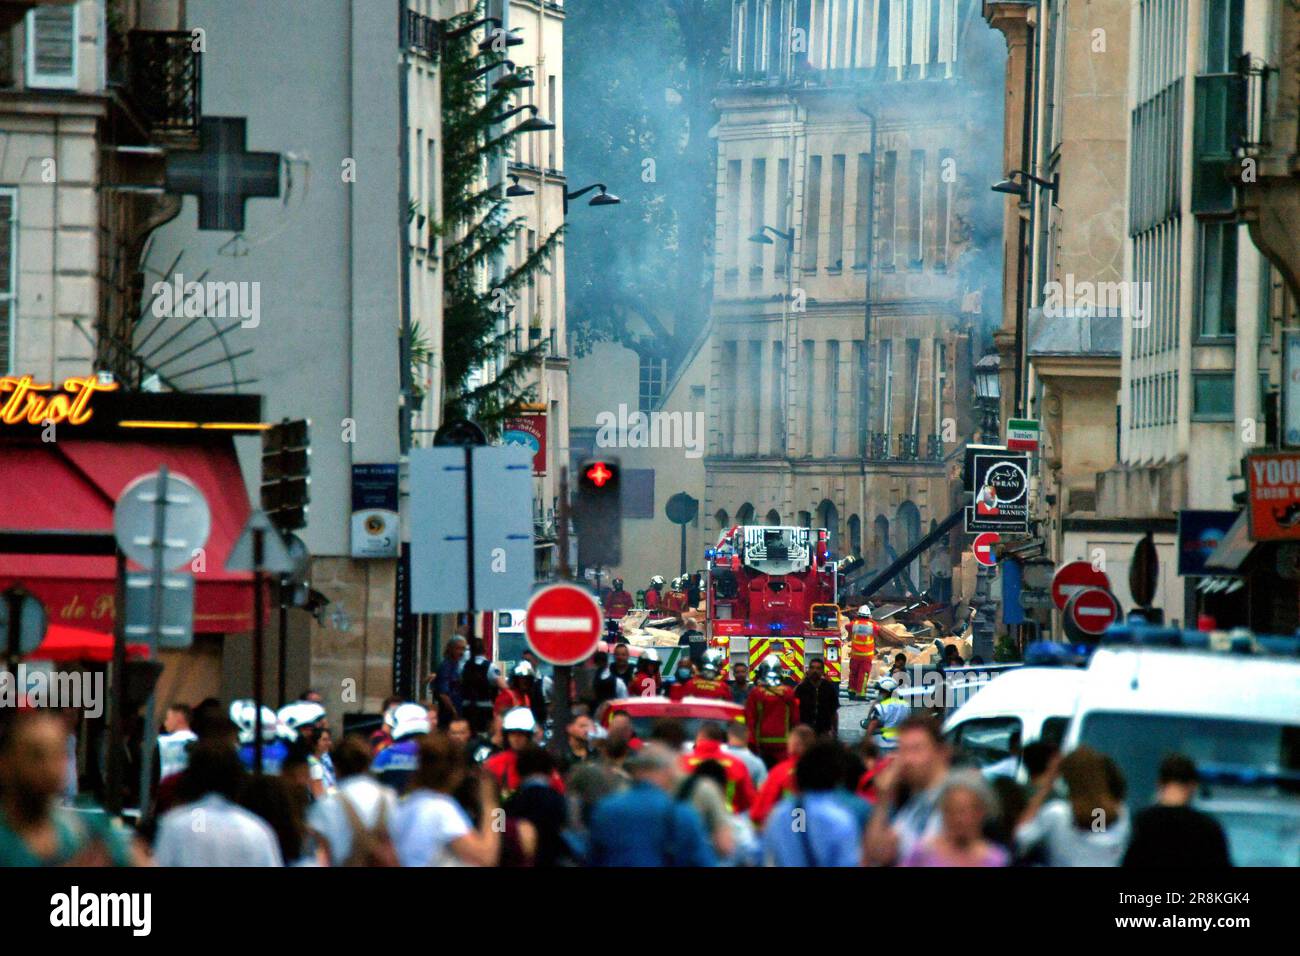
(563,672)
(149,736)
(258,557)
(284,640)
(113,796)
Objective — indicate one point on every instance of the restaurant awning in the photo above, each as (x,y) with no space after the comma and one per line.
(71,485)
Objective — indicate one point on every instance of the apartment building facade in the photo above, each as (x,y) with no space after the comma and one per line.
(852,251)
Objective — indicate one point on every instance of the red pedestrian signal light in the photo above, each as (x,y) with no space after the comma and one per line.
(598,512)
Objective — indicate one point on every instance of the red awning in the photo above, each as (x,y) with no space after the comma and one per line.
(71,485)
(63,643)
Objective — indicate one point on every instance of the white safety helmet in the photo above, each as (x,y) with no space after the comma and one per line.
(523,669)
(244,715)
(711,663)
(649,655)
(518,719)
(866,610)
(657,579)
(887,685)
(299,714)
(406,720)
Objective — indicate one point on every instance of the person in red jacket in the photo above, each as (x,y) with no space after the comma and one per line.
(617,602)
(654,593)
(518,727)
(646,682)
(771,712)
(708,746)
(780,779)
(523,691)
(706,683)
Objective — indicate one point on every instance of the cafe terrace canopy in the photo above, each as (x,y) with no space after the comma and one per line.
(72,485)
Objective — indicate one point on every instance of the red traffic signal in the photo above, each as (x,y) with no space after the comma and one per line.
(598,474)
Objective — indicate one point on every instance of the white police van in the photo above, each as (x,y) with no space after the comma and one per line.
(1016,708)
(1230,701)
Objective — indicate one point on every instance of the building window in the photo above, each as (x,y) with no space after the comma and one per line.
(757,214)
(812,214)
(887,386)
(888,209)
(1223,20)
(8,274)
(916,210)
(862,213)
(806,367)
(733,211)
(943,209)
(833,393)
(835,259)
(783,213)
(1217,281)
(1212,396)
(777,391)
(52,48)
(651,386)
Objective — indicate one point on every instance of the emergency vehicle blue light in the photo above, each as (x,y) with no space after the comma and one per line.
(778,627)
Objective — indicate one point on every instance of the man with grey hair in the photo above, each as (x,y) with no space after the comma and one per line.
(644,825)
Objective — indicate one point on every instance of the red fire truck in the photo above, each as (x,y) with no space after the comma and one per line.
(773,591)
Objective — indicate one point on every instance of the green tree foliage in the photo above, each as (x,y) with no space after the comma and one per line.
(476,230)
(640,77)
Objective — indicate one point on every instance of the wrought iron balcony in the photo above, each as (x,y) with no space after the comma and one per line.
(879,450)
(934,447)
(161,74)
(909,446)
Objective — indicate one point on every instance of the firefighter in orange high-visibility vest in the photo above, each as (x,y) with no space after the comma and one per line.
(771,712)
(706,683)
(862,651)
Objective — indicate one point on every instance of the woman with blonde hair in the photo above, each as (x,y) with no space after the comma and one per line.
(1088,827)
(966,803)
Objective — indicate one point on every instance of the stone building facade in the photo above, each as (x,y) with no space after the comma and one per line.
(841,348)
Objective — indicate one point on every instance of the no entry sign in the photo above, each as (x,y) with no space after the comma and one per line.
(982,547)
(1089,612)
(563,624)
(1074,577)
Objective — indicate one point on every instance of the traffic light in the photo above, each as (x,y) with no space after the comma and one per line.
(286,473)
(598,512)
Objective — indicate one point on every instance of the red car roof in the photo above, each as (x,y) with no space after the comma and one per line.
(663,707)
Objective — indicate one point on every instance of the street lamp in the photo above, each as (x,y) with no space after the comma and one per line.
(491,39)
(988,393)
(602,198)
(763,238)
(516,189)
(461,31)
(1013,188)
(516,79)
(534,123)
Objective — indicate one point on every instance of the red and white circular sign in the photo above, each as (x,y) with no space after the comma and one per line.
(564,624)
(1092,610)
(982,547)
(1074,577)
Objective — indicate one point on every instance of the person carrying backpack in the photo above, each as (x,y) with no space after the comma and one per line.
(478,689)
(355,821)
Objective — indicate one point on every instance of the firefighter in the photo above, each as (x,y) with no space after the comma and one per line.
(654,593)
(887,713)
(646,682)
(708,746)
(771,712)
(518,727)
(675,599)
(522,691)
(617,602)
(862,651)
(707,682)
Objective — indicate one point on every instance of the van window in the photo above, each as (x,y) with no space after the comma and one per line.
(987,739)
(1138,742)
(503,618)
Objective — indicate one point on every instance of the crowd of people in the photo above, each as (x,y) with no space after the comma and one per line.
(447,782)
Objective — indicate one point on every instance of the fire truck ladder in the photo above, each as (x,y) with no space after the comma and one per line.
(910,555)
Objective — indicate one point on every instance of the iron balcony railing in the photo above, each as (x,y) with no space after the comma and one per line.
(161,74)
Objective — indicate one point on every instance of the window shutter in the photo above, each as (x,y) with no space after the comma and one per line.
(52,47)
